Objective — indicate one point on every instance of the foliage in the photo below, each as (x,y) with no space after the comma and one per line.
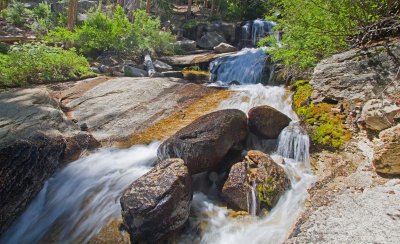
(101,33)
(326,126)
(316,29)
(38,63)
(266,192)
(246,9)
(16,13)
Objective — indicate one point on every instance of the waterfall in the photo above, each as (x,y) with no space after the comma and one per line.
(253,31)
(294,143)
(79,200)
(252,200)
(249,66)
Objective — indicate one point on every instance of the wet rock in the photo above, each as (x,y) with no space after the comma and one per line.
(258,172)
(205,142)
(210,40)
(387,151)
(133,72)
(158,203)
(379,114)
(358,74)
(161,66)
(225,48)
(186,45)
(77,144)
(267,122)
(24,167)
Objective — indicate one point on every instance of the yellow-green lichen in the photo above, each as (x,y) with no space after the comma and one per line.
(325,124)
(266,192)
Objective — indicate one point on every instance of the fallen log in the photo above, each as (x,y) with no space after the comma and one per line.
(149,65)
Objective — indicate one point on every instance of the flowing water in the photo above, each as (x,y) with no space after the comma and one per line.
(81,198)
(84,196)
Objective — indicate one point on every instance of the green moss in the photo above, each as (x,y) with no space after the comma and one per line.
(326,127)
(266,192)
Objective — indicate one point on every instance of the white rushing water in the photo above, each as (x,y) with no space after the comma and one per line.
(83,197)
(80,199)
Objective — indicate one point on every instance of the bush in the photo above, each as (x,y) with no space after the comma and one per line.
(317,29)
(101,33)
(16,14)
(38,63)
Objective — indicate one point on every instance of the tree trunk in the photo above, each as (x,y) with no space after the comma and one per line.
(72,13)
(189,9)
(213,7)
(148,6)
(151,71)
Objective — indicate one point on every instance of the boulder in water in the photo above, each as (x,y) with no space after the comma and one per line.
(206,141)
(225,48)
(24,167)
(210,40)
(267,122)
(387,151)
(157,203)
(258,173)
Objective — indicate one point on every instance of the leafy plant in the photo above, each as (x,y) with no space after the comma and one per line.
(37,63)
(16,13)
(101,33)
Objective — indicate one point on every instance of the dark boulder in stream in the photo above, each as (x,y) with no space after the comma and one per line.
(158,203)
(267,122)
(24,166)
(205,142)
(257,181)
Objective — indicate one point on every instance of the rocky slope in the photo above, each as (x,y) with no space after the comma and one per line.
(355,199)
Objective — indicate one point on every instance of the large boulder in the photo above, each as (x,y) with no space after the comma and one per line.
(267,122)
(206,141)
(210,39)
(161,66)
(379,114)
(257,173)
(387,151)
(358,74)
(186,45)
(24,167)
(157,203)
(225,48)
(130,71)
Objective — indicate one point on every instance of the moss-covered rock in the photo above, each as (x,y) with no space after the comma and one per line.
(325,123)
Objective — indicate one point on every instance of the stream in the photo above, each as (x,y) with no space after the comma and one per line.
(79,200)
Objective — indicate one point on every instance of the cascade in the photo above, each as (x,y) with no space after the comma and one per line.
(249,66)
(79,200)
(253,31)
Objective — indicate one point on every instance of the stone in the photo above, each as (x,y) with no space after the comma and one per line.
(210,39)
(24,167)
(77,144)
(258,172)
(186,45)
(174,74)
(130,71)
(161,66)
(267,122)
(158,203)
(95,70)
(225,48)
(387,151)
(358,74)
(206,141)
(125,106)
(192,59)
(378,114)
(104,68)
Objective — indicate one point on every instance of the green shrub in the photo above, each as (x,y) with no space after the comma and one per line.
(38,63)
(101,33)
(16,13)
